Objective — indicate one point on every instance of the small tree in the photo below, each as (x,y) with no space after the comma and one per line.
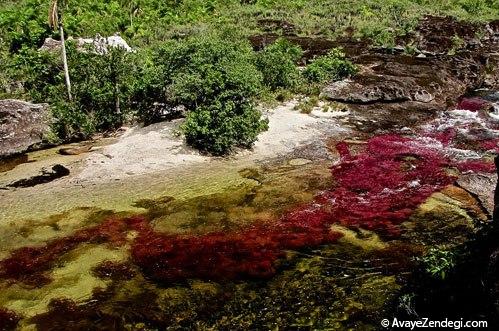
(56,22)
(216,80)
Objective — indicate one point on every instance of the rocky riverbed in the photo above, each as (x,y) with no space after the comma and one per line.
(332,221)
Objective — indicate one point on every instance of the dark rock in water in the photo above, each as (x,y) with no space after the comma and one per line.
(22,126)
(57,171)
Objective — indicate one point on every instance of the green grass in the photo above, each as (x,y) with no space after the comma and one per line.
(146,22)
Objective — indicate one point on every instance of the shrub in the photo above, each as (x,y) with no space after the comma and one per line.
(221,126)
(277,63)
(333,66)
(208,68)
(101,88)
(438,263)
(216,80)
(40,74)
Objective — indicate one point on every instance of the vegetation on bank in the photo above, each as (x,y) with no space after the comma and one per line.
(191,56)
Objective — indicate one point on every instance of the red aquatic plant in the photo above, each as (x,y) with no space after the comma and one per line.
(252,252)
(476,166)
(28,264)
(490,145)
(472,104)
(379,188)
(446,136)
(376,190)
(114,270)
(8,319)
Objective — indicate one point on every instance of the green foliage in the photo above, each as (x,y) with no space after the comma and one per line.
(102,84)
(306,105)
(40,74)
(217,81)
(277,63)
(212,73)
(438,263)
(333,66)
(220,127)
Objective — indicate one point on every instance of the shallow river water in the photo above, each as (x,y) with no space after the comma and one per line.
(292,243)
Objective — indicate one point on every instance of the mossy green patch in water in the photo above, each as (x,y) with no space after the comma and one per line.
(72,279)
(263,195)
(451,216)
(16,234)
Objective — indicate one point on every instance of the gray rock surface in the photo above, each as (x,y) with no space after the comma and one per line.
(22,126)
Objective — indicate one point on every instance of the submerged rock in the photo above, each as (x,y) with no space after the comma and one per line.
(22,126)
(57,171)
(75,150)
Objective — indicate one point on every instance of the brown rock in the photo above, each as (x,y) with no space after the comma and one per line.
(75,150)
(403,85)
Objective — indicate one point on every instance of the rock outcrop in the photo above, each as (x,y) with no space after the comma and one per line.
(449,65)
(411,82)
(22,126)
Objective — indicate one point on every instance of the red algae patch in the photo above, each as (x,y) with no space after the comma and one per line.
(8,320)
(476,166)
(114,270)
(377,190)
(252,252)
(28,264)
(380,187)
(473,104)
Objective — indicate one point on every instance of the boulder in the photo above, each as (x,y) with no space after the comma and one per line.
(388,78)
(22,126)
(442,34)
(98,44)
(51,45)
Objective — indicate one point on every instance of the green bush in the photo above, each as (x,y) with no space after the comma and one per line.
(330,67)
(208,68)
(438,262)
(220,127)
(277,63)
(40,74)
(215,78)
(101,88)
